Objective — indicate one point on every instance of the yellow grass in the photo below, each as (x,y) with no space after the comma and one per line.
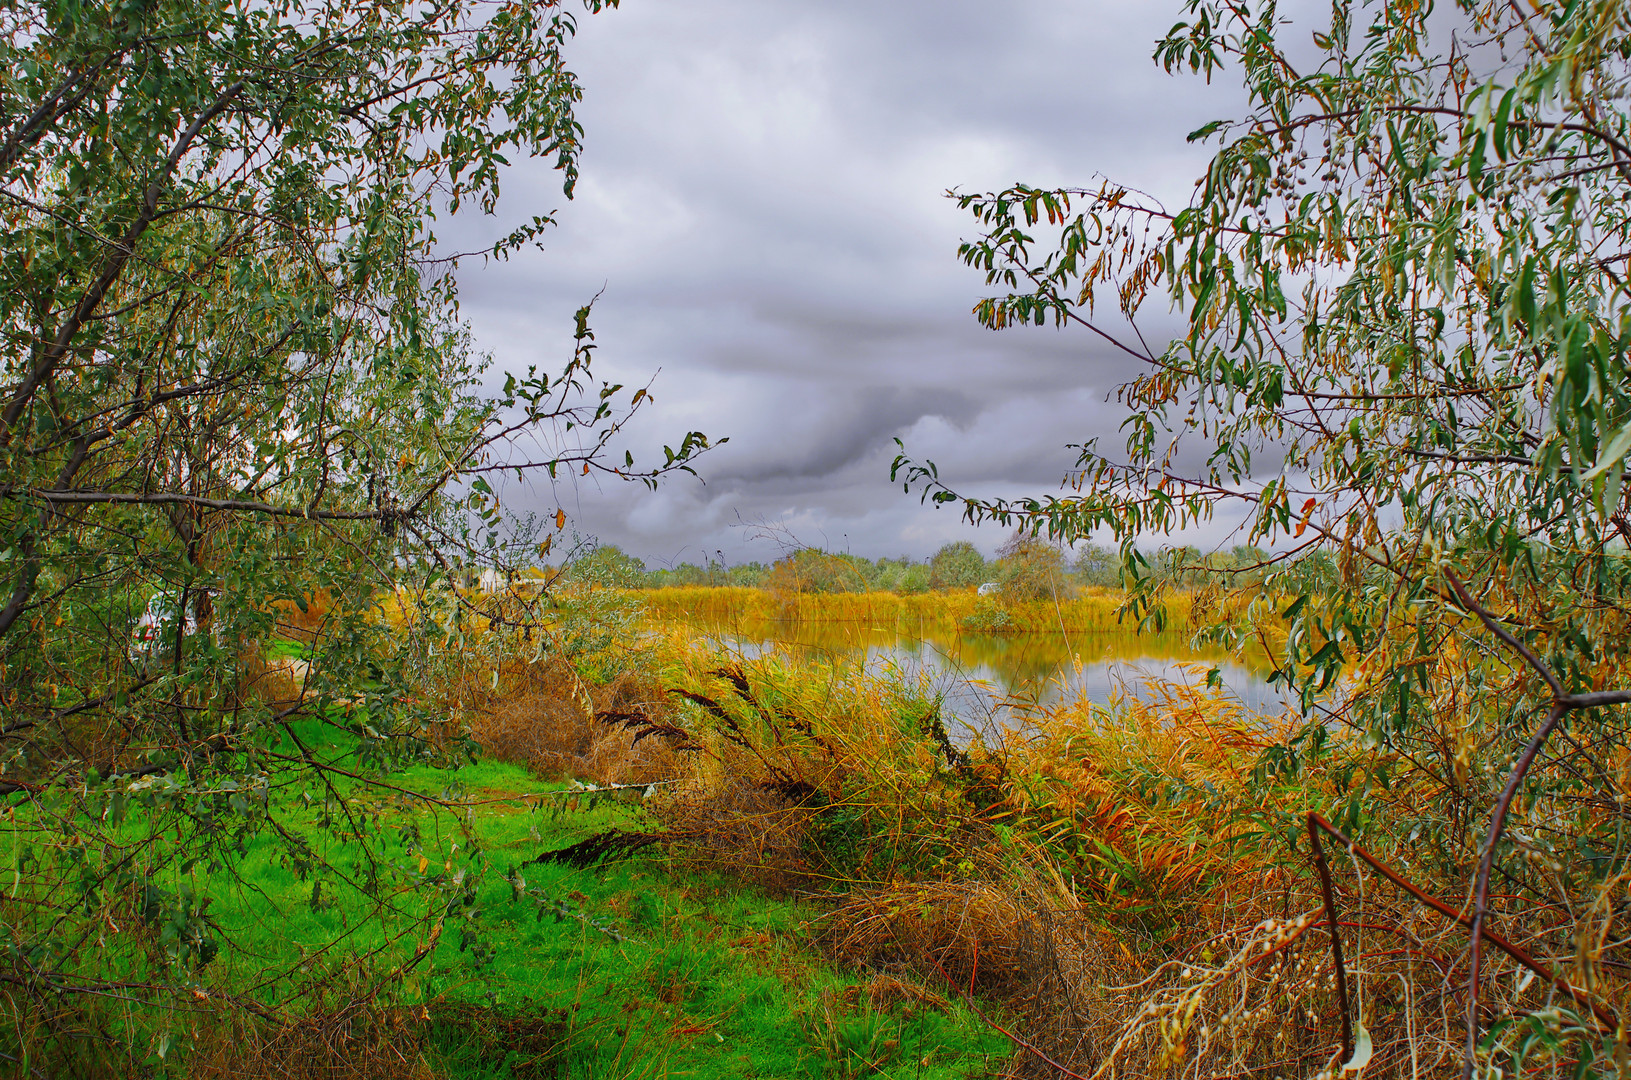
(1089,611)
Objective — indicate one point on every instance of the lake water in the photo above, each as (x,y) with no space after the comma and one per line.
(983,678)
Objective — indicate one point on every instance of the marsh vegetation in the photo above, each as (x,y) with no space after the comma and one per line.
(316,760)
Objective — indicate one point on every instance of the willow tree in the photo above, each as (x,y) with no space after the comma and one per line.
(235,381)
(1404,273)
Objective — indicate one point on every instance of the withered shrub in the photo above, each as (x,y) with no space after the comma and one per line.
(547,717)
(347,1044)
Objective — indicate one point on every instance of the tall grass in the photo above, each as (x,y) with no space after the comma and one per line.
(1123,889)
(1131,880)
(1092,610)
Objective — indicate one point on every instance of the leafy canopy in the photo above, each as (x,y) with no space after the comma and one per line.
(1404,274)
(238,414)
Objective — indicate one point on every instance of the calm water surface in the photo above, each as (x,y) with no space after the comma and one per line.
(983,677)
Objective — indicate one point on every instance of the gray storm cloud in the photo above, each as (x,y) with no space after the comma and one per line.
(763,203)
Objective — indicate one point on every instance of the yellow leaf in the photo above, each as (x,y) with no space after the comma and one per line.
(560,519)
(423,862)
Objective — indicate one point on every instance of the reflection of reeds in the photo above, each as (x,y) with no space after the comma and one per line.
(926,631)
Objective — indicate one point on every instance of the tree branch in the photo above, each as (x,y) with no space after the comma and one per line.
(88,303)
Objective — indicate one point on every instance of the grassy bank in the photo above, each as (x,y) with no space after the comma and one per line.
(488,963)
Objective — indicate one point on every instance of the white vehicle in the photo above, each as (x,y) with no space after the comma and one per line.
(155,632)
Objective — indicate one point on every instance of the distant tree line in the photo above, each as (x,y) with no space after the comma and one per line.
(1025,568)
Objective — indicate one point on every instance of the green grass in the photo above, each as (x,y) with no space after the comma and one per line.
(284,649)
(626,970)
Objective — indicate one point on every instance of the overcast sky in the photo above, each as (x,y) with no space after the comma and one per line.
(763,202)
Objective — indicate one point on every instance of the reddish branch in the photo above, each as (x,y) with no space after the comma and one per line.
(1515,951)
(1562,705)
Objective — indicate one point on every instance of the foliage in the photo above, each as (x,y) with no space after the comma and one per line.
(900,575)
(755,611)
(1095,565)
(811,570)
(1406,361)
(609,566)
(235,382)
(957,565)
(1031,569)
(716,573)
(990,616)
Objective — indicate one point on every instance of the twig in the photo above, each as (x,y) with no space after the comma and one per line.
(1018,1041)
(1562,704)
(1336,937)
(1516,952)
(1505,635)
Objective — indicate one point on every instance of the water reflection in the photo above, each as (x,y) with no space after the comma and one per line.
(982,677)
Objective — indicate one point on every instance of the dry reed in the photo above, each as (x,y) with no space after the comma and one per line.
(1123,880)
(549,718)
(1090,610)
(348,1044)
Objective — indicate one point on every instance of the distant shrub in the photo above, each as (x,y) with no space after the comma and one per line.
(812,570)
(957,566)
(1097,566)
(988,617)
(750,575)
(610,566)
(914,580)
(1031,569)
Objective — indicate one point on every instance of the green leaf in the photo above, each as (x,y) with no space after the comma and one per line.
(1611,454)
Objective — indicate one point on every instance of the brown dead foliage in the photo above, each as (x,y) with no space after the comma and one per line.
(739,823)
(370,1043)
(304,623)
(888,991)
(549,719)
(531,1040)
(1008,938)
(976,936)
(278,682)
(348,1044)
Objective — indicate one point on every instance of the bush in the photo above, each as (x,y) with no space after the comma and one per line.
(548,719)
(915,580)
(1097,566)
(957,566)
(988,617)
(610,566)
(1030,569)
(812,570)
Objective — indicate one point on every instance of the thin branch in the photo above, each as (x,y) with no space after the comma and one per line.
(1516,952)
(1562,705)
(1501,632)
(1336,937)
(59,103)
(92,298)
(158,498)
